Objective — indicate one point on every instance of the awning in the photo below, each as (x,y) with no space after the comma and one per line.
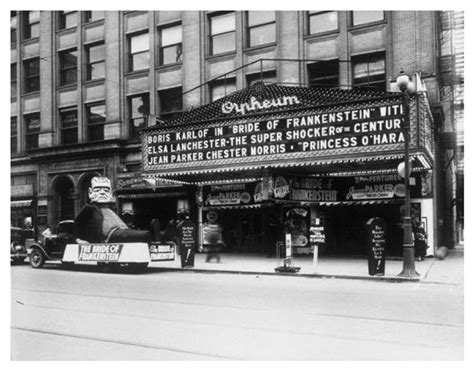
(239,206)
(333,166)
(21,203)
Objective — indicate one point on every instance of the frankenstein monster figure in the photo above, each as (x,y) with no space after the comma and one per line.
(97,223)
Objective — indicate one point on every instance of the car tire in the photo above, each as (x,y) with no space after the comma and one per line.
(37,258)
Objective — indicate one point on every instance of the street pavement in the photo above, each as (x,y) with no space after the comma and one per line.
(239,310)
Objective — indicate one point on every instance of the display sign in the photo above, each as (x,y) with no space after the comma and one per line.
(336,189)
(22,190)
(317,235)
(211,234)
(162,252)
(99,252)
(298,222)
(376,240)
(237,142)
(230,194)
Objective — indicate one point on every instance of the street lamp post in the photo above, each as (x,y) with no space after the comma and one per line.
(406,87)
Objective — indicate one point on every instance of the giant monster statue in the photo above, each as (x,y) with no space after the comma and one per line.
(98,223)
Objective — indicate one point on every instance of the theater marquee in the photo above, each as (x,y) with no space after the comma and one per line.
(313,134)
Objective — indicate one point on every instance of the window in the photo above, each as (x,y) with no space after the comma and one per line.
(324,74)
(13,135)
(265,77)
(139,109)
(95,121)
(68,19)
(13,80)
(363,16)
(95,61)
(171,102)
(222,31)
(171,45)
(138,52)
(32,75)
(369,71)
(222,88)
(322,22)
(33,126)
(94,15)
(13,26)
(261,28)
(68,119)
(31,24)
(68,67)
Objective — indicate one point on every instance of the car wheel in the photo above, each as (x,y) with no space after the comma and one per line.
(37,258)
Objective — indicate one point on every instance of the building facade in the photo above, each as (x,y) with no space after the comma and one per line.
(84,84)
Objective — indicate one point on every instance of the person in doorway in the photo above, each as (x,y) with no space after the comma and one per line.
(98,223)
(420,239)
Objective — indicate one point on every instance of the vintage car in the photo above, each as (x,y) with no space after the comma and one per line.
(53,245)
(134,257)
(18,237)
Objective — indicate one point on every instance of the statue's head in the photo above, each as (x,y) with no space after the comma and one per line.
(100,190)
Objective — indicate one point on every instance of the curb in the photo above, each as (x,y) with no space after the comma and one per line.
(393,279)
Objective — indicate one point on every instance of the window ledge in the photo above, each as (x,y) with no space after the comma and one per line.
(222,55)
(258,48)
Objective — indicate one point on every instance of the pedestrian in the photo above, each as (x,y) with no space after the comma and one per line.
(420,240)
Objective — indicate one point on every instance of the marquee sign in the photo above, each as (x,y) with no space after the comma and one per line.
(235,143)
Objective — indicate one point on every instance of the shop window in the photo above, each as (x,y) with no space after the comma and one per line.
(93,15)
(33,127)
(263,77)
(170,44)
(13,80)
(222,88)
(261,28)
(13,26)
(68,67)
(222,33)
(171,102)
(95,61)
(361,17)
(95,121)
(369,71)
(324,74)
(69,130)
(139,55)
(13,135)
(32,75)
(139,109)
(320,22)
(23,179)
(68,19)
(31,24)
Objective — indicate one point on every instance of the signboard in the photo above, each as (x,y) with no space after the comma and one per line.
(229,194)
(22,190)
(162,252)
(100,252)
(136,181)
(211,234)
(317,235)
(316,133)
(333,189)
(376,240)
(298,222)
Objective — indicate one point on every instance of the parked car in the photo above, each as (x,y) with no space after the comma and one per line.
(18,238)
(53,245)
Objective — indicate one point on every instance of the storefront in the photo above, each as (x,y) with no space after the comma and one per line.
(272,159)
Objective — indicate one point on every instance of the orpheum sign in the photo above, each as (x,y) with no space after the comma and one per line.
(245,141)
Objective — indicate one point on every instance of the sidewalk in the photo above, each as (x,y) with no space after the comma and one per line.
(449,270)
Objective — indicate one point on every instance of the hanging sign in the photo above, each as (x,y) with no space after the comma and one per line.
(230,194)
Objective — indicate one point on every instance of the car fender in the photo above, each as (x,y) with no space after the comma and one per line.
(40,247)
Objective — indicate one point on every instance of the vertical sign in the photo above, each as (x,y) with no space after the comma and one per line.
(376,241)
